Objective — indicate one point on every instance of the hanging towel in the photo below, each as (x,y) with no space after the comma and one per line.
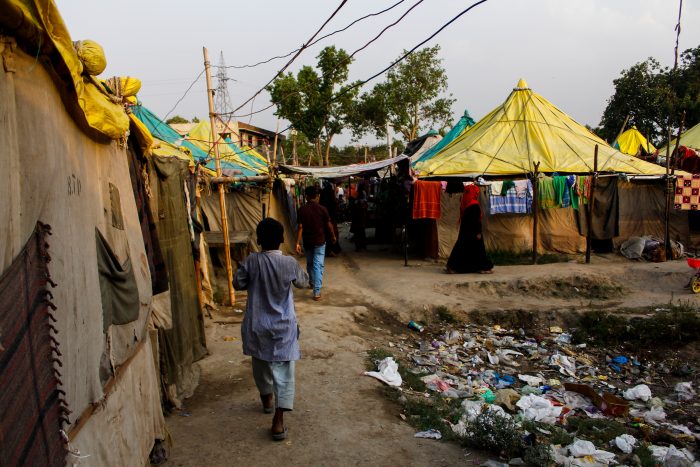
(496,188)
(546,194)
(507,185)
(561,197)
(426,200)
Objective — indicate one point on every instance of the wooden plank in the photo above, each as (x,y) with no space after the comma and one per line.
(215,238)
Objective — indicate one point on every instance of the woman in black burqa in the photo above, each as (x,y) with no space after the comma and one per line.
(469,253)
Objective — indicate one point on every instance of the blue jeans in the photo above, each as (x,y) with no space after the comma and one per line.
(314,266)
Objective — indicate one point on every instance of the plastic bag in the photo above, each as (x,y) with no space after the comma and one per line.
(625,443)
(685,391)
(641,392)
(388,372)
(539,409)
(582,448)
(92,56)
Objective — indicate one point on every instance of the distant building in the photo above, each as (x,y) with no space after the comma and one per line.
(254,136)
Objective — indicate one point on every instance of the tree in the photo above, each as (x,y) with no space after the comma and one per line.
(195,120)
(644,93)
(409,100)
(176,119)
(655,97)
(317,102)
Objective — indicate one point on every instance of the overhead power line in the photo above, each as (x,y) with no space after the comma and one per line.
(319,39)
(301,49)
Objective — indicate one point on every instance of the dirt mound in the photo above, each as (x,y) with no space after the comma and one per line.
(576,286)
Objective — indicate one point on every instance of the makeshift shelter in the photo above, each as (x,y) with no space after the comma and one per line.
(690,139)
(67,173)
(527,129)
(416,148)
(631,142)
(247,160)
(465,122)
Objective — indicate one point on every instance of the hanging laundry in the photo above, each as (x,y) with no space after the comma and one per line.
(426,200)
(687,196)
(522,187)
(507,185)
(546,193)
(496,188)
(511,203)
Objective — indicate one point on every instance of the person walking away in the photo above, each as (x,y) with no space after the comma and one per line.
(313,220)
(469,252)
(269,331)
(328,200)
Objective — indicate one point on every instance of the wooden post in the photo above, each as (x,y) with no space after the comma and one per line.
(365,154)
(622,130)
(589,211)
(668,188)
(222,194)
(274,145)
(535,211)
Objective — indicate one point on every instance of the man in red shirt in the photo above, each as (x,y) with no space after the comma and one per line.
(313,223)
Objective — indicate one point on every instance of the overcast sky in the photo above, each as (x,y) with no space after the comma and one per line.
(570,51)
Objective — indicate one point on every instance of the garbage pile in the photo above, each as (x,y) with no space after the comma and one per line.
(547,384)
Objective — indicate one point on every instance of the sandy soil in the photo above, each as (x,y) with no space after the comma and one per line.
(342,417)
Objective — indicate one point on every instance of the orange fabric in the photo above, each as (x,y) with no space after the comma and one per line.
(426,200)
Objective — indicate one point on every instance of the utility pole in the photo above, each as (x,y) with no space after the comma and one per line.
(222,194)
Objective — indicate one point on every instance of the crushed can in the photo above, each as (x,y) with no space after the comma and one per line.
(415,326)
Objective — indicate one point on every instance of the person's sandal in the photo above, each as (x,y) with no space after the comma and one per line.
(280,436)
(317,298)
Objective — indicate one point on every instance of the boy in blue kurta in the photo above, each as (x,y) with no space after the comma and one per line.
(269,330)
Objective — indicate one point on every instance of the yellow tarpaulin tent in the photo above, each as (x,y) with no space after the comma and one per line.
(526,129)
(200,136)
(630,141)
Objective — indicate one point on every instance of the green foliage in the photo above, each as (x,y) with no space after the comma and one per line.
(445,315)
(676,327)
(176,119)
(510,258)
(195,120)
(494,432)
(410,99)
(599,431)
(317,101)
(654,97)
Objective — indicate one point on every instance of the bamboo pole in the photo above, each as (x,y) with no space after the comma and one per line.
(589,211)
(274,145)
(535,211)
(622,130)
(222,195)
(668,190)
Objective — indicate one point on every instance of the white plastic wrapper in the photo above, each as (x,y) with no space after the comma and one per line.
(388,372)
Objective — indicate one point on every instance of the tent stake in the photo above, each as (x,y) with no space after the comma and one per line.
(535,211)
(589,211)
(222,195)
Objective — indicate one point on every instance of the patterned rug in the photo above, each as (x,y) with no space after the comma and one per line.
(31,406)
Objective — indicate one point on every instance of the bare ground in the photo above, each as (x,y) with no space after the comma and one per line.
(342,417)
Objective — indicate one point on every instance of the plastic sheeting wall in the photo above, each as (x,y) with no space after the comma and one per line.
(56,174)
(558,230)
(244,211)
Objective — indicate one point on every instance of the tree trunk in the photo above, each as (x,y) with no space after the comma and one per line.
(317,151)
(327,159)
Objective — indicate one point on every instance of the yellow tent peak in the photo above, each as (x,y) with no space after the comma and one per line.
(522,85)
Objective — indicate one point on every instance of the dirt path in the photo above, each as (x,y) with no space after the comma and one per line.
(342,417)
